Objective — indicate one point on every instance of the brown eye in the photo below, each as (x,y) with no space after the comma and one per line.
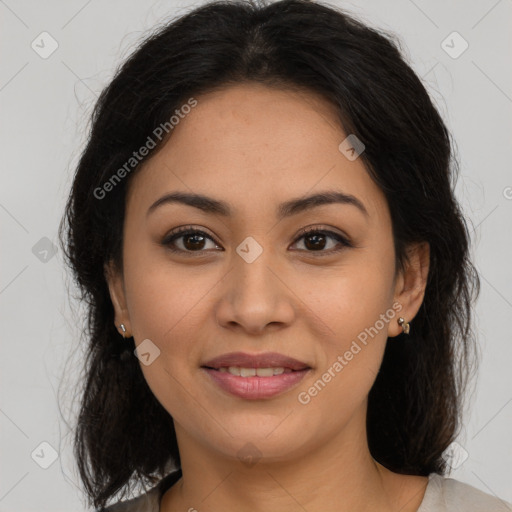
(187,240)
(316,240)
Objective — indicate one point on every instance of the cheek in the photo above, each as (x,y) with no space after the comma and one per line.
(162,298)
(348,300)
(350,355)
(165,308)
(353,309)
(169,307)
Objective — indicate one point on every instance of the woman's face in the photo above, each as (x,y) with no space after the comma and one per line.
(252,282)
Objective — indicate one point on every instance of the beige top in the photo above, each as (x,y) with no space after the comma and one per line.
(441,495)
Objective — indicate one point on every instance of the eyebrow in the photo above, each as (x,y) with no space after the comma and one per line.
(286,209)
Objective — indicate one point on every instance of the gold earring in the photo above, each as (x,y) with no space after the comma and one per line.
(405,325)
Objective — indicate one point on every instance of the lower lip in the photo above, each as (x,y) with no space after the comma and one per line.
(256,388)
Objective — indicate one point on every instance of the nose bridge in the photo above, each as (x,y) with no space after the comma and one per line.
(254,295)
(253,279)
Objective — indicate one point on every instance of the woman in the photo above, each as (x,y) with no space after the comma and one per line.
(264,228)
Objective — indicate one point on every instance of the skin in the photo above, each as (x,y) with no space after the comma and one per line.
(255,147)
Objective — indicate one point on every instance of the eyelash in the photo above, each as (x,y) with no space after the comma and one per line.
(174,235)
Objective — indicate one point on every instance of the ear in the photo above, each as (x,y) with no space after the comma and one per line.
(115,282)
(410,284)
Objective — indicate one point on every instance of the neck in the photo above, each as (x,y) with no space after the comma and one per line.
(339,474)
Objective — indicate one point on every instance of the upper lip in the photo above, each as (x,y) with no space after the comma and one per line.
(263,360)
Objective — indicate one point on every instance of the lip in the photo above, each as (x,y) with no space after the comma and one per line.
(256,388)
(263,360)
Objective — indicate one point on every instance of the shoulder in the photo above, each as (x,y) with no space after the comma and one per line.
(450,495)
(148,502)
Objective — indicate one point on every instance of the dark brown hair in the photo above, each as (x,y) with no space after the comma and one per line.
(414,410)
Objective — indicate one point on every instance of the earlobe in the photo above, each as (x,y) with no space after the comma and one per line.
(115,284)
(411,283)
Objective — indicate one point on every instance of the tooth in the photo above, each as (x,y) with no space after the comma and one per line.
(251,372)
(264,372)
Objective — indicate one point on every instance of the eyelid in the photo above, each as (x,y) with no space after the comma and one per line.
(183,230)
(322,229)
(330,233)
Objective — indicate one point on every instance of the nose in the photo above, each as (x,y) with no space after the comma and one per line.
(255,297)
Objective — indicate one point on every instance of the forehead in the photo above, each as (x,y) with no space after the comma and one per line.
(254,146)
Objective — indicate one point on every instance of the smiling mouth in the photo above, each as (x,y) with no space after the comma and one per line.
(254,372)
(251,383)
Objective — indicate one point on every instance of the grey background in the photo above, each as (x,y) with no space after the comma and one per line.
(45,104)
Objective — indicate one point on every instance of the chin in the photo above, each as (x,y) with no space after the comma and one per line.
(268,445)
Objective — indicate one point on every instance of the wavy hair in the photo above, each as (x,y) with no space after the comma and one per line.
(123,434)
